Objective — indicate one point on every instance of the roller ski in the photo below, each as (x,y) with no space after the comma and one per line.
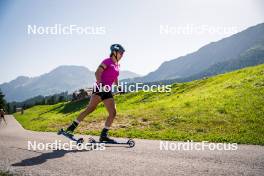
(106,140)
(70,136)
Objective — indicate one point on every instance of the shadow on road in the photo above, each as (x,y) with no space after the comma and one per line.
(45,156)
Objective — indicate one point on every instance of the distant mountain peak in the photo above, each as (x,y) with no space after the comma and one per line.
(62,78)
(69,67)
(20,79)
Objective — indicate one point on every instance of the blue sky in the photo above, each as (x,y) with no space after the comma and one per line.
(135,24)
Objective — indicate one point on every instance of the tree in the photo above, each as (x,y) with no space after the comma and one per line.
(14,108)
(43,101)
(61,98)
(51,100)
(9,108)
(2,101)
(83,93)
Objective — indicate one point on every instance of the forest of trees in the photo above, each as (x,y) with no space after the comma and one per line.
(11,107)
(38,100)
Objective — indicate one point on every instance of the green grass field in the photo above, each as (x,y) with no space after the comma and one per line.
(224,108)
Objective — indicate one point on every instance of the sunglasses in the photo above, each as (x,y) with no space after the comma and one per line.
(121,53)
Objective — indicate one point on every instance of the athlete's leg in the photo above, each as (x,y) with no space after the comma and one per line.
(94,101)
(111,108)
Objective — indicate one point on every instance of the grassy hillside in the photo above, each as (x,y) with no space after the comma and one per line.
(224,108)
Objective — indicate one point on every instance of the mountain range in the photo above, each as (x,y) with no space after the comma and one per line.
(61,79)
(243,49)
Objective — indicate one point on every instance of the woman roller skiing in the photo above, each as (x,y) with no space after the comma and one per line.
(106,75)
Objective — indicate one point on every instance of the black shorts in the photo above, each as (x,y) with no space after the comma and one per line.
(103,95)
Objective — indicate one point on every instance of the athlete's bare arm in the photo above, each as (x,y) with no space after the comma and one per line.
(99,72)
(116,82)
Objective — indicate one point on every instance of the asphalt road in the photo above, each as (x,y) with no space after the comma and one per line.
(145,158)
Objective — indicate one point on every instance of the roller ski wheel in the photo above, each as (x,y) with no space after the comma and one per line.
(131,143)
